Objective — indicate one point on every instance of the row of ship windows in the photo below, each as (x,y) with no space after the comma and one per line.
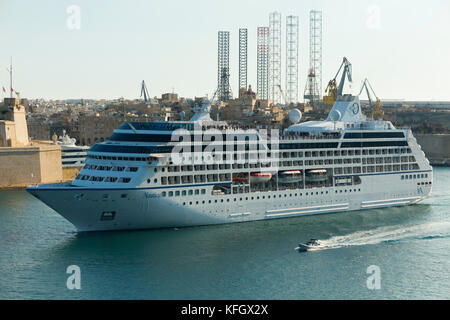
(307,154)
(203,191)
(201,167)
(90,156)
(110,168)
(284,154)
(414,176)
(351,160)
(380,168)
(337,153)
(84,177)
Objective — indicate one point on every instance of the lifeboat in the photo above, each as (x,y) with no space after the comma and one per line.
(260,177)
(290,176)
(316,175)
(240,179)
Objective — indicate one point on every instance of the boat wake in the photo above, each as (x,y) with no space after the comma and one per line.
(390,234)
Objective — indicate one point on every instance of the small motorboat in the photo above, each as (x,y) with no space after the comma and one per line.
(311,245)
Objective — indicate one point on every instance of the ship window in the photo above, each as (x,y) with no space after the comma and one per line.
(163,193)
(197,191)
(177,193)
(170,193)
(190,192)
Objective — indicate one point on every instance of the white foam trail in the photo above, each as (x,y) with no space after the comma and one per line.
(388,233)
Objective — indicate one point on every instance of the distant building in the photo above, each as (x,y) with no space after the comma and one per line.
(235,109)
(97,128)
(169,97)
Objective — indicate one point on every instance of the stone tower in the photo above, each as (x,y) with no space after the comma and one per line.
(13,124)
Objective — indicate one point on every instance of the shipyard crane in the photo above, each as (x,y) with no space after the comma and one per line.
(334,91)
(144,92)
(377,107)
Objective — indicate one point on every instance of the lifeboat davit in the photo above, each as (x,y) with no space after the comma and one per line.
(316,175)
(260,177)
(290,176)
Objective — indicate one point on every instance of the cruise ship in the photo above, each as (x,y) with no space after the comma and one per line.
(191,173)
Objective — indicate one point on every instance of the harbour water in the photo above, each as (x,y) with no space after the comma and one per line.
(255,260)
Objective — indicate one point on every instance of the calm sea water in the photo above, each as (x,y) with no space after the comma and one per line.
(257,260)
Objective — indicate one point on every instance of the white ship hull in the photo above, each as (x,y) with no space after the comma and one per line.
(145,209)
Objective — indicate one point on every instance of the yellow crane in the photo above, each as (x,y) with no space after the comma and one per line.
(333,90)
(377,112)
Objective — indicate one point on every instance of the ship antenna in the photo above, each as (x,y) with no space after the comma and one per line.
(10,70)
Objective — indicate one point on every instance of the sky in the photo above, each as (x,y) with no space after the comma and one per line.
(402,47)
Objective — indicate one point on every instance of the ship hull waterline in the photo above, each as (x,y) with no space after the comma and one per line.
(135,209)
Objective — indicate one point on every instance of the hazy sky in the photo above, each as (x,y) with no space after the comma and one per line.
(403,47)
